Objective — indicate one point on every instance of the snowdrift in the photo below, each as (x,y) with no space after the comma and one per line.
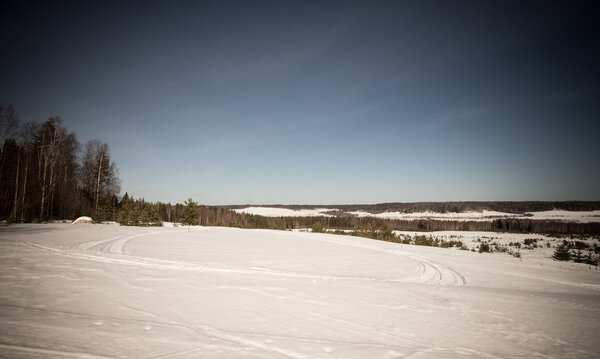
(83,219)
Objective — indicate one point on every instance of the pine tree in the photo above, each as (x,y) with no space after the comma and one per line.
(190,213)
(562,253)
(590,259)
(577,256)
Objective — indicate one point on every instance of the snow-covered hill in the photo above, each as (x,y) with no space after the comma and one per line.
(100,291)
(484,215)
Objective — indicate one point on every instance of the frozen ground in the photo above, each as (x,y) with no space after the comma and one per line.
(559,215)
(96,291)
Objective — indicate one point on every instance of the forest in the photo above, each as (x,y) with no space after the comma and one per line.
(516,207)
(46,174)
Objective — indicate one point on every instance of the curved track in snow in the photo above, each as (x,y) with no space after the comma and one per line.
(114,250)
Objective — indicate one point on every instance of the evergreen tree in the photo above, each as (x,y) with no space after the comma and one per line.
(190,213)
(590,258)
(562,253)
(149,217)
(577,256)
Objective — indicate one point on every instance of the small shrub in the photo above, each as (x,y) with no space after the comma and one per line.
(317,227)
(484,247)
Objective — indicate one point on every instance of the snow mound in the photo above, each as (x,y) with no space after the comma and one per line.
(83,219)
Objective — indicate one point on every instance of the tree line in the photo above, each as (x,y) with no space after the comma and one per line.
(517,207)
(45,173)
(222,216)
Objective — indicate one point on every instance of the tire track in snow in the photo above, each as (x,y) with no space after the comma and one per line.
(193,267)
(49,352)
(158,321)
(95,243)
(427,272)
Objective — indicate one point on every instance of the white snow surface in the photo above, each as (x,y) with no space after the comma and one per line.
(557,215)
(485,215)
(205,292)
(455,216)
(570,216)
(285,212)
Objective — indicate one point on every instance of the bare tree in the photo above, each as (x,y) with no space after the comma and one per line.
(48,150)
(29,134)
(99,174)
(9,122)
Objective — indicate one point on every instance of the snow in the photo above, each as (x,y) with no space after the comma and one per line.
(560,215)
(455,216)
(206,292)
(284,212)
(473,239)
(83,219)
(570,216)
(485,215)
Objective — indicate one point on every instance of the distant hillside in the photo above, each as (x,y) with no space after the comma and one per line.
(456,207)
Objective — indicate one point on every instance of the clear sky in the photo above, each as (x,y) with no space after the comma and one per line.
(325,102)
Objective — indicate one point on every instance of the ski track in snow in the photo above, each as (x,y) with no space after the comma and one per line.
(204,330)
(44,353)
(397,325)
(114,250)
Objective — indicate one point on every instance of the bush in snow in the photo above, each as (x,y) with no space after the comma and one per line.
(317,227)
(484,247)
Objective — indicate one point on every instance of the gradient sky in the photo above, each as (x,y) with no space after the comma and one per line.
(319,102)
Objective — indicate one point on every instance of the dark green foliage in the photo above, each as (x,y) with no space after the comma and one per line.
(573,250)
(317,227)
(190,215)
(43,175)
(105,210)
(422,240)
(443,207)
(562,253)
(138,213)
(577,256)
(149,217)
(386,233)
(590,258)
(484,247)
(531,242)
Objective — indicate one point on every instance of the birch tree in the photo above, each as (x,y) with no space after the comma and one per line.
(99,174)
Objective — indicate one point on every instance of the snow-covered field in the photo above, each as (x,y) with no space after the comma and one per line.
(284,212)
(541,250)
(96,291)
(559,215)
(455,216)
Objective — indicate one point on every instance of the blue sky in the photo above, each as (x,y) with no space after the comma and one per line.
(319,102)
